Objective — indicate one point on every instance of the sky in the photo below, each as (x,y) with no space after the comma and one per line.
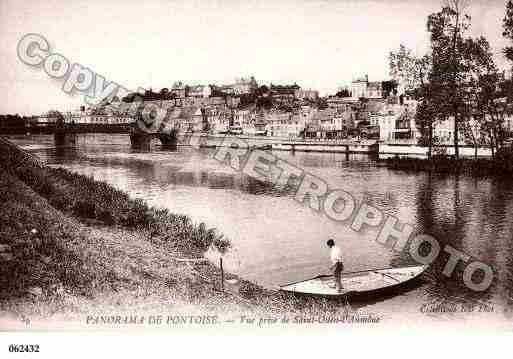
(320,44)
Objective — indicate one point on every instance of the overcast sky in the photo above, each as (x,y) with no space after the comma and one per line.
(152,43)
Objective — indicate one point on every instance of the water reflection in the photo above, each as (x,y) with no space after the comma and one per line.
(277,240)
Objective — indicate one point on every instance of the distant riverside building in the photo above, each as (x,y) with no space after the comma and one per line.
(46,118)
(280,124)
(260,124)
(392,124)
(205,101)
(361,87)
(342,103)
(204,91)
(306,94)
(344,120)
(188,119)
(284,90)
(244,86)
(104,114)
(179,90)
(243,118)
(345,91)
(218,119)
(374,90)
(508,123)
(224,90)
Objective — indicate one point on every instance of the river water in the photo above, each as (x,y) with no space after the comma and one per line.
(277,240)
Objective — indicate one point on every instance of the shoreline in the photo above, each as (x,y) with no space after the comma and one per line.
(499,167)
(118,257)
(371,147)
(73,244)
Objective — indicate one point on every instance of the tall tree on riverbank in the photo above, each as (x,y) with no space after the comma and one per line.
(411,73)
(492,106)
(448,73)
(507,26)
(408,70)
(481,114)
(426,116)
(57,116)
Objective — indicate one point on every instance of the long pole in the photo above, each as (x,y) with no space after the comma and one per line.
(222,273)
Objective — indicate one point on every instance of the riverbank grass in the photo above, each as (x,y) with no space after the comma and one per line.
(72,245)
(500,166)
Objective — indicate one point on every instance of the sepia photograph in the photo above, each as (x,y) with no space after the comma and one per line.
(180,168)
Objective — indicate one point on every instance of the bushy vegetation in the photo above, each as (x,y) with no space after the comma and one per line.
(500,166)
(86,198)
(179,230)
(83,196)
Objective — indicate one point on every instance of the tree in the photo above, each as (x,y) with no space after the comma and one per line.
(343,93)
(412,72)
(262,90)
(57,116)
(479,108)
(407,69)
(322,104)
(426,116)
(448,73)
(507,26)
(493,108)
(15,121)
(164,94)
(389,88)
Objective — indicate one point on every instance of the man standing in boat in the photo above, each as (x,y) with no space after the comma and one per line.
(337,266)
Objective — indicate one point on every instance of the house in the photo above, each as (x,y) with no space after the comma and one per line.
(219,119)
(342,103)
(243,86)
(179,90)
(279,124)
(46,118)
(260,124)
(202,91)
(243,118)
(361,87)
(395,122)
(224,90)
(187,119)
(284,90)
(374,90)
(311,95)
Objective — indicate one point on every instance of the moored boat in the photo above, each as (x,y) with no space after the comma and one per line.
(356,282)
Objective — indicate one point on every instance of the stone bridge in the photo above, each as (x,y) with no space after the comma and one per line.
(65,134)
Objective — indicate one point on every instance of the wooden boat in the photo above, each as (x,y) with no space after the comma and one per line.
(356,282)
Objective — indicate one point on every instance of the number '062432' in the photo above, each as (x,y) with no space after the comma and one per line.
(23,348)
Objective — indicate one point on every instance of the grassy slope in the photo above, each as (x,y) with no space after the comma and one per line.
(121,262)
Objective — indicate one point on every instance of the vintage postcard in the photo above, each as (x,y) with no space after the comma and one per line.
(176,166)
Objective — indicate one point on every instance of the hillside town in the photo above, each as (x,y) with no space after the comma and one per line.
(374,110)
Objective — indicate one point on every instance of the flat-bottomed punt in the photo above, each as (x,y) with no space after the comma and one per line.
(356,282)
